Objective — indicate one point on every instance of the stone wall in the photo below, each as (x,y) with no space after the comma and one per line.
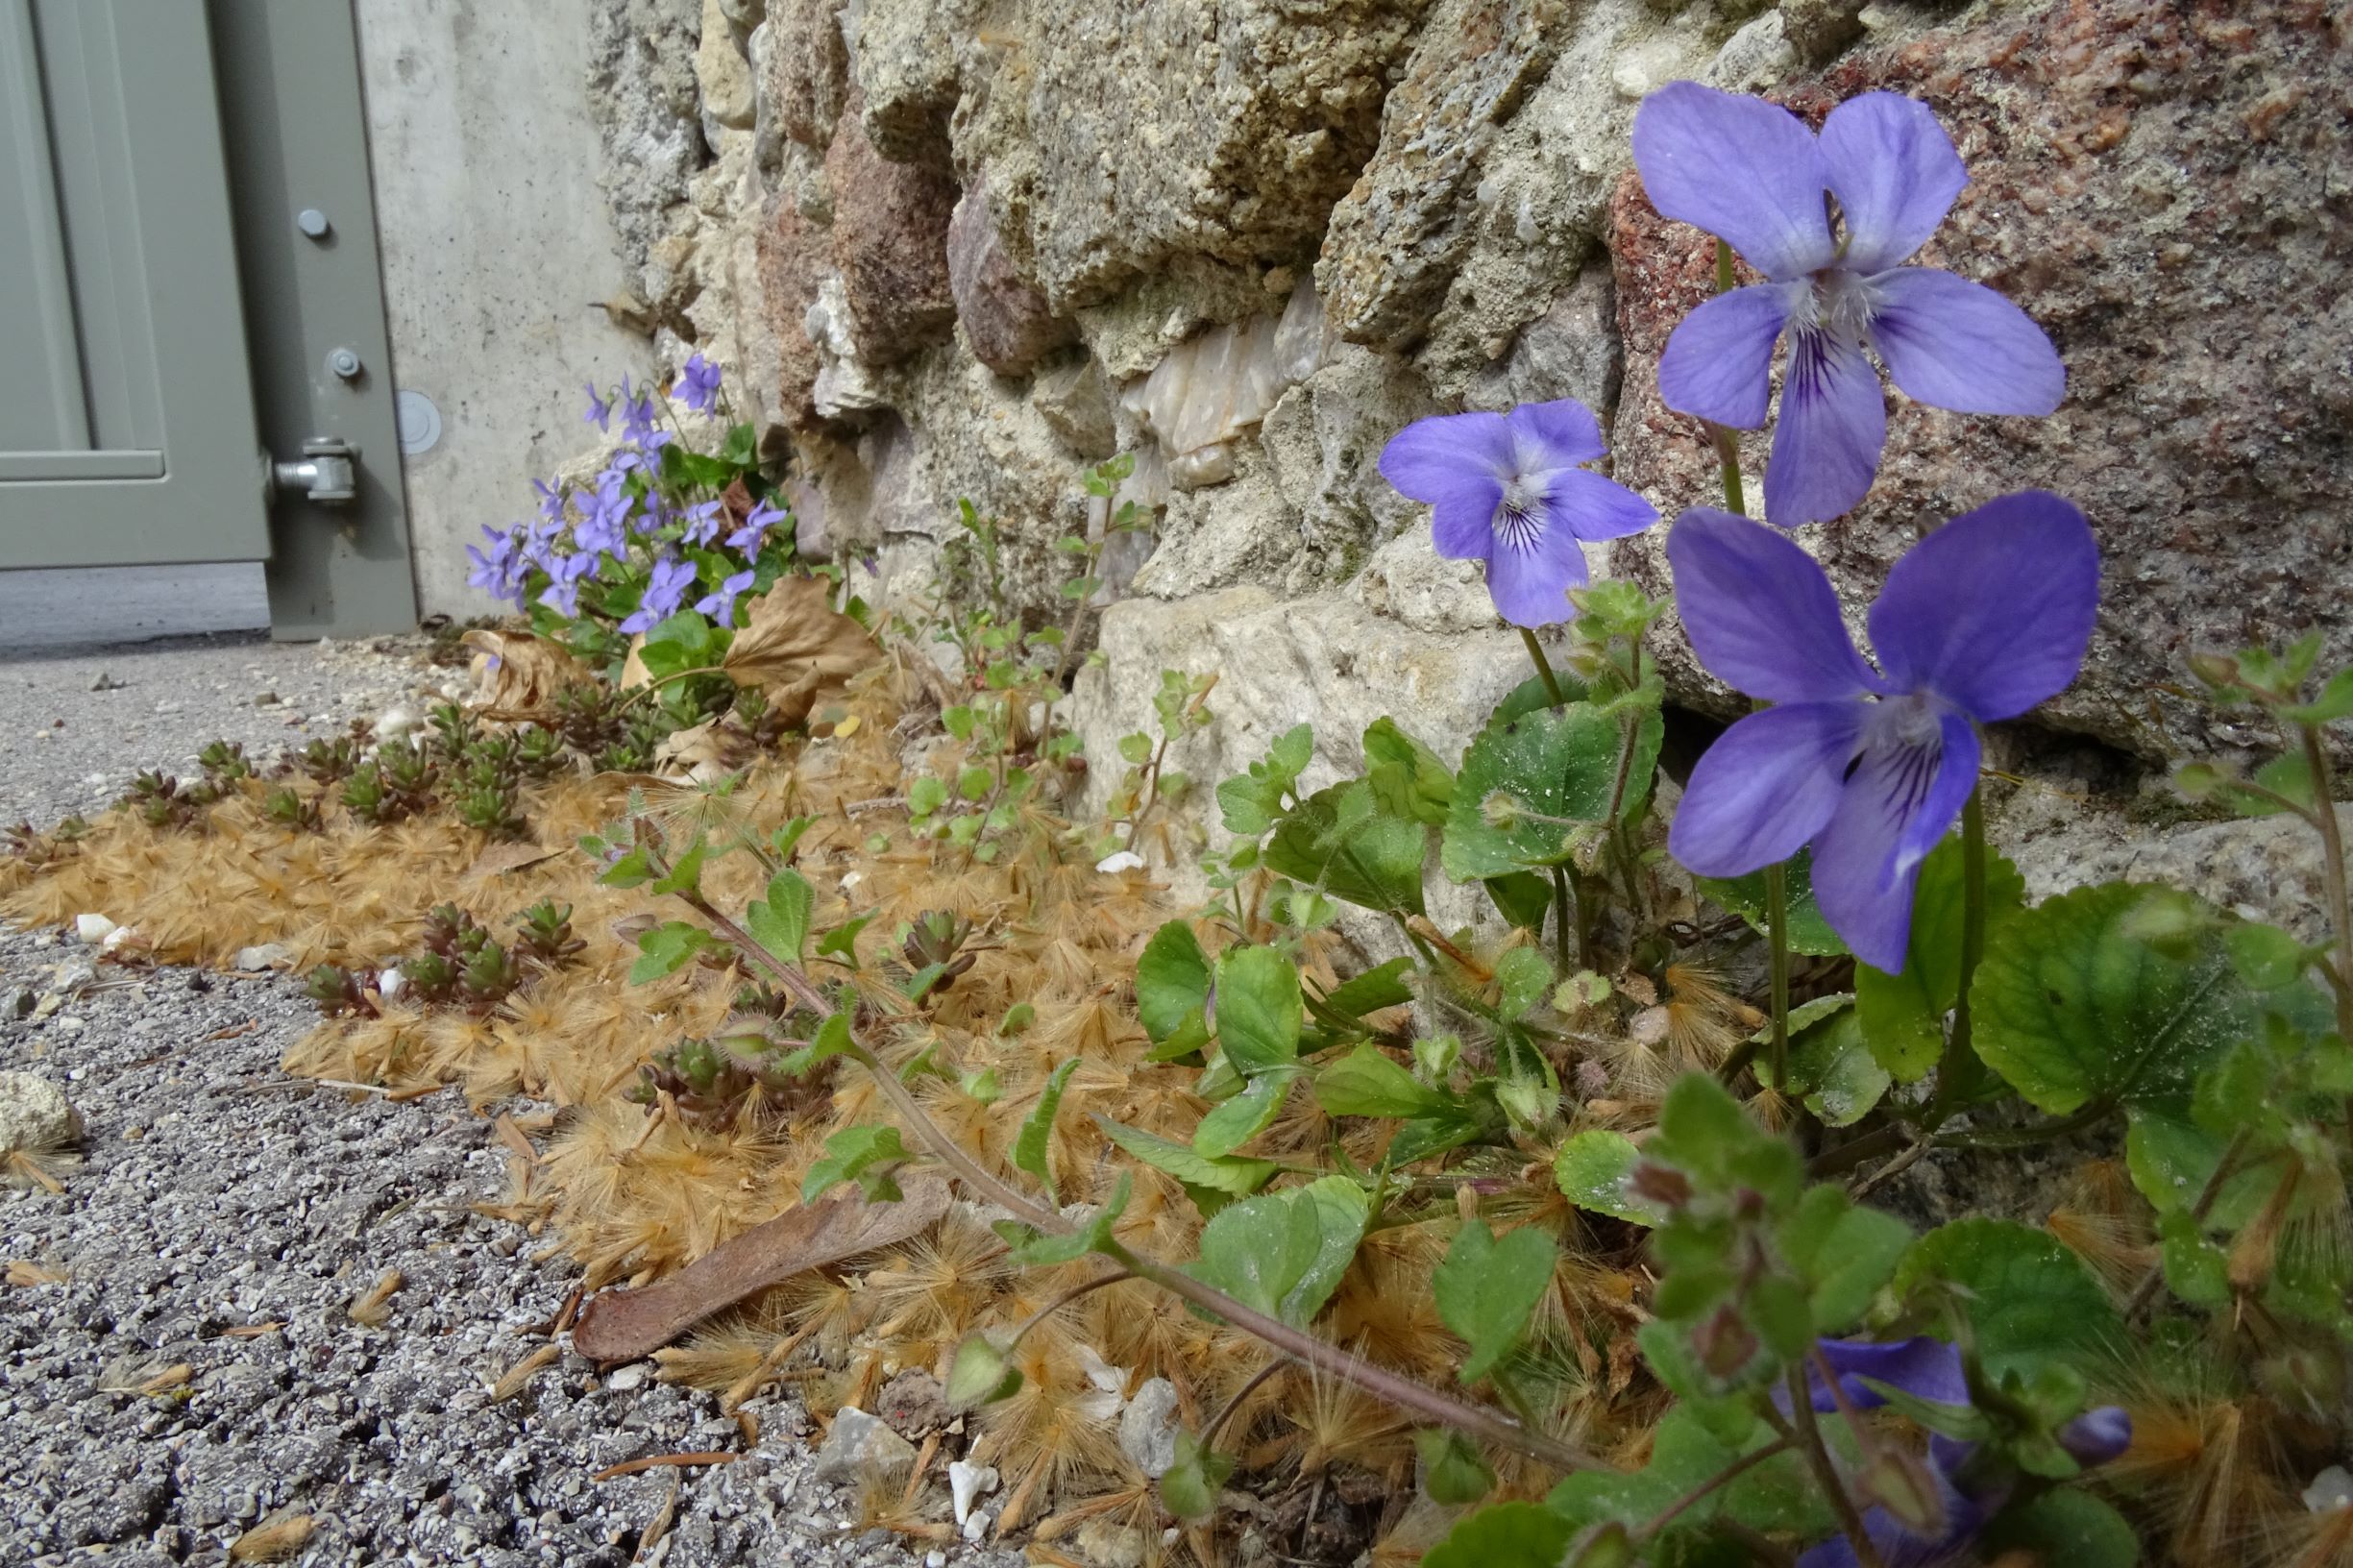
(960,249)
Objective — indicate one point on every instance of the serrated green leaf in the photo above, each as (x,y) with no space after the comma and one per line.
(685,875)
(1257,1009)
(925,796)
(2064,1527)
(856,1154)
(2028,1300)
(1283,1253)
(1231,1123)
(1172,982)
(1843,1252)
(1032,1147)
(1506,1535)
(1524,898)
(2196,1269)
(1745,896)
(780,923)
(1831,1066)
(1904,1015)
(1032,1248)
(1339,840)
(1524,975)
(1594,1170)
(667,948)
(2171,1159)
(2068,1006)
(1533,787)
(1696,1442)
(1428,784)
(1190,1485)
(841,942)
(2334,702)
(1376,989)
(1453,1471)
(1232,1175)
(1488,1290)
(1366,1082)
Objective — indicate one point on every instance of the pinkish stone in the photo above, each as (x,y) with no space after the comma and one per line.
(793,258)
(1007,321)
(808,68)
(890,242)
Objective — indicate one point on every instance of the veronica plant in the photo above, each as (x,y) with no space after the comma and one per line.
(1751,174)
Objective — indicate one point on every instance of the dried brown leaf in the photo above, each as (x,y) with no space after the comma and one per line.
(796,648)
(621,1326)
(273,1541)
(516,675)
(706,752)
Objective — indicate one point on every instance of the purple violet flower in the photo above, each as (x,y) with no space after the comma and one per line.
(721,606)
(638,414)
(757,522)
(1751,174)
(1508,489)
(552,500)
(1930,1369)
(599,411)
(665,591)
(1981,620)
(562,594)
(703,521)
(498,573)
(698,385)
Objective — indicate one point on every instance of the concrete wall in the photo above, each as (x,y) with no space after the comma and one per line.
(498,243)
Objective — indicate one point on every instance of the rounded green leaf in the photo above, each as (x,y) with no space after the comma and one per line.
(1595,1169)
(2027,1297)
(2070,1006)
(1507,1535)
(1533,787)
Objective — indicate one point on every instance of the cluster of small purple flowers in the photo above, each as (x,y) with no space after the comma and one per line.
(623,526)
(1984,619)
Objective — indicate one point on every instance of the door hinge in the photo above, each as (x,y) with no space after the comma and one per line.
(327,474)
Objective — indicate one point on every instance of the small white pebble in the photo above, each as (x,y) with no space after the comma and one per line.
(935,1559)
(1124,860)
(93,929)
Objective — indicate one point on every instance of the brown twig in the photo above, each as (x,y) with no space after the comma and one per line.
(630,1467)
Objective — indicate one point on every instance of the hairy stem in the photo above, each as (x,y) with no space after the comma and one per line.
(2207,1196)
(1471,1420)
(1563,911)
(2331,845)
(1723,1478)
(1825,1474)
(1544,669)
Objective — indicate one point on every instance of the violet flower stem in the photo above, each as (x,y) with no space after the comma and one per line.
(1776,936)
(1379,1381)
(1826,1473)
(1957,1073)
(1563,911)
(1544,668)
(1723,1478)
(2332,872)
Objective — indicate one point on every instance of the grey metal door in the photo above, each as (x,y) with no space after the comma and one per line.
(190,277)
(127,429)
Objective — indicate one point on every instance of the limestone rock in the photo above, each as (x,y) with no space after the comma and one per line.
(905,54)
(1007,321)
(1323,445)
(1392,242)
(34,1117)
(860,1448)
(1123,138)
(1105,1543)
(1148,1425)
(807,81)
(1076,399)
(967,1484)
(1571,351)
(1409,581)
(721,70)
(1819,29)
(647,103)
(890,242)
(2153,189)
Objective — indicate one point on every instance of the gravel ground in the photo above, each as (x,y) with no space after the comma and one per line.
(75,725)
(223,1219)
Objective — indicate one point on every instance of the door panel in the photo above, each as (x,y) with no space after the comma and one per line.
(126,434)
